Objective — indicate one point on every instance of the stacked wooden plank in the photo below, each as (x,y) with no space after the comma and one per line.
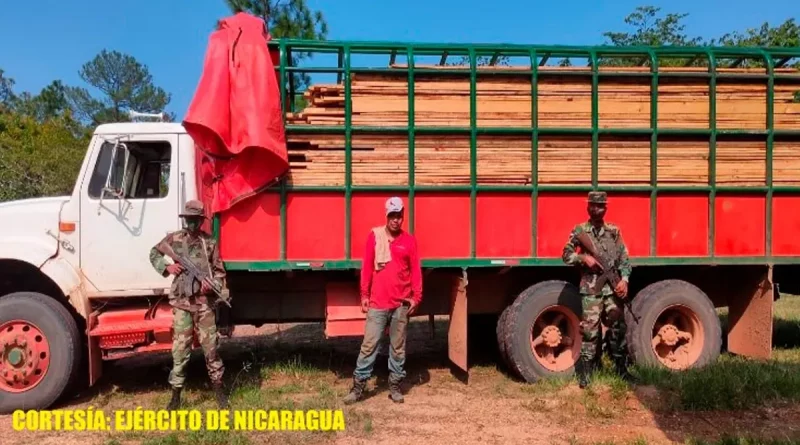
(380,100)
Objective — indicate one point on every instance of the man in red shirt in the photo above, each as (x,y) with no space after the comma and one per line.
(391,290)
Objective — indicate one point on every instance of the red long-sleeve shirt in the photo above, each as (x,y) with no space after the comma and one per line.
(400,279)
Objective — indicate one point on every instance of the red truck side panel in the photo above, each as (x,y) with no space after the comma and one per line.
(504,225)
(740,225)
(556,216)
(682,226)
(631,212)
(785,225)
(316,224)
(442,225)
(250,228)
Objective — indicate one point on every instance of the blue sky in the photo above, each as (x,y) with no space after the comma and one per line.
(46,40)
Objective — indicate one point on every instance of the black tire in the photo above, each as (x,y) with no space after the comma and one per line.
(63,337)
(651,301)
(501,341)
(520,318)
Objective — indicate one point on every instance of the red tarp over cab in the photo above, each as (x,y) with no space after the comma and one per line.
(235,115)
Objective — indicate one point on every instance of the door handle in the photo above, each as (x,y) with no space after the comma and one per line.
(65,244)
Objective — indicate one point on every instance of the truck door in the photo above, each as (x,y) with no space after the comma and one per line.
(130,200)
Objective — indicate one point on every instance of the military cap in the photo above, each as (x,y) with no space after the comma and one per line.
(193,208)
(597,198)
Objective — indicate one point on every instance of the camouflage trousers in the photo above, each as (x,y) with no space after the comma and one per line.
(184,324)
(608,310)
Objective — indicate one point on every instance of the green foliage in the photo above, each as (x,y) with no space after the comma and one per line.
(50,103)
(125,83)
(649,27)
(41,144)
(287,19)
(39,158)
(731,383)
(786,34)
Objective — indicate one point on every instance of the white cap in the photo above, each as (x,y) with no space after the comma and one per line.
(394,204)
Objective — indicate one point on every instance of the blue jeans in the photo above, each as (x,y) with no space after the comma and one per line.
(373,334)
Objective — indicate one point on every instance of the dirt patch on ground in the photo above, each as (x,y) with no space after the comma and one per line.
(292,366)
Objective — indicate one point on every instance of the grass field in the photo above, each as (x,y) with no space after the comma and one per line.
(734,401)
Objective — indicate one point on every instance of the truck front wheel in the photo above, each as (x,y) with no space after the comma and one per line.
(673,324)
(542,331)
(39,351)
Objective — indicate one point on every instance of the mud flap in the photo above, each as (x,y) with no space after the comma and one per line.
(95,361)
(750,319)
(95,354)
(457,330)
(343,316)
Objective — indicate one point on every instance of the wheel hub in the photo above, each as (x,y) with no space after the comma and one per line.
(669,335)
(24,356)
(677,337)
(551,336)
(15,357)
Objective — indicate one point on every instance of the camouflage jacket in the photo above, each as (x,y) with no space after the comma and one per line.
(203,252)
(607,239)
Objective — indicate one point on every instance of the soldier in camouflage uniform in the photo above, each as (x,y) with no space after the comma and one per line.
(192,313)
(605,305)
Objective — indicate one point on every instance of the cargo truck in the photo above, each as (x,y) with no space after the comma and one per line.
(696,148)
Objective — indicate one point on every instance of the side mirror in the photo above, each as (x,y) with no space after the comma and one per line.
(117,178)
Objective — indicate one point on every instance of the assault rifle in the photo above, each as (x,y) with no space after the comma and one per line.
(608,272)
(607,267)
(194,274)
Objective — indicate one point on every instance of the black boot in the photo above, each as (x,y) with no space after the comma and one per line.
(222,398)
(582,370)
(176,400)
(394,389)
(356,391)
(621,367)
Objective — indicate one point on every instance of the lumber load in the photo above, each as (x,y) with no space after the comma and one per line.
(443,100)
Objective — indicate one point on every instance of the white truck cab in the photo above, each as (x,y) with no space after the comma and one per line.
(93,244)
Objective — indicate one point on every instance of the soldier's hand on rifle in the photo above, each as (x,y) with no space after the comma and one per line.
(622,289)
(591,263)
(206,286)
(174,269)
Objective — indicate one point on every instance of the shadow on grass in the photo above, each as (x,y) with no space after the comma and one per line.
(296,368)
(299,352)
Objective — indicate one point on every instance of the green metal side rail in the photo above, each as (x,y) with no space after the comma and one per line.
(769,58)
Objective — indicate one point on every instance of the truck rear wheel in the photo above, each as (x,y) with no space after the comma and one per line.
(39,351)
(501,340)
(674,326)
(542,331)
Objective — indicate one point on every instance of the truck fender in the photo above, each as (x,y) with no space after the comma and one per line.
(30,250)
(71,283)
(74,286)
